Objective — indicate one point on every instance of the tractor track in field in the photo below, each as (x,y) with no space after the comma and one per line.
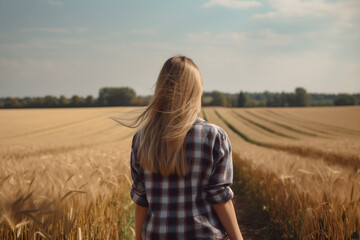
(332,158)
(278,117)
(263,127)
(328,127)
(283,125)
(251,126)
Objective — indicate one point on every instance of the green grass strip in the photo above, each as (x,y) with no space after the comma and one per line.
(283,125)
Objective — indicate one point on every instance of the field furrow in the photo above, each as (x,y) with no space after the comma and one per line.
(295,123)
(349,160)
(307,117)
(254,127)
(285,126)
(258,124)
(256,135)
(350,145)
(284,129)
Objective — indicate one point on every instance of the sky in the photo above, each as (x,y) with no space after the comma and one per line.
(67,47)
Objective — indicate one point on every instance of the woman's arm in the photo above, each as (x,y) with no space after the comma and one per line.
(226,214)
(140,215)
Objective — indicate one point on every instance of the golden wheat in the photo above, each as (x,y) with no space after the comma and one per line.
(305,197)
(65,177)
(64,173)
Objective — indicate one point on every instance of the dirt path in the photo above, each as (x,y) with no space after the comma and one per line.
(249,231)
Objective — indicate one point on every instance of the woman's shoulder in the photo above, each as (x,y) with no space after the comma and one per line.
(135,140)
(201,124)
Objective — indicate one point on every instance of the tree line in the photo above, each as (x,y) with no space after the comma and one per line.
(108,96)
(299,98)
(125,96)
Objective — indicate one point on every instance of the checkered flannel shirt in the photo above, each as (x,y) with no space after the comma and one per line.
(180,208)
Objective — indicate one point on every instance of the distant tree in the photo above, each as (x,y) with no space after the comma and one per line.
(218,99)
(50,101)
(344,99)
(302,99)
(76,101)
(89,101)
(322,99)
(269,99)
(357,97)
(25,102)
(142,101)
(206,100)
(63,101)
(277,99)
(36,102)
(252,103)
(231,100)
(283,100)
(11,102)
(116,96)
(241,99)
(291,99)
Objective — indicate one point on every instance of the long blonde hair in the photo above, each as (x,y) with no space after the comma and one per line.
(169,116)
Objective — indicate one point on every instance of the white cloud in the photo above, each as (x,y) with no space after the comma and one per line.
(145,31)
(267,60)
(295,8)
(255,72)
(331,21)
(48,30)
(248,60)
(236,4)
(344,10)
(56,3)
(67,65)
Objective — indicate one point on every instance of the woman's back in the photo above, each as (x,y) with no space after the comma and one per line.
(181,165)
(180,207)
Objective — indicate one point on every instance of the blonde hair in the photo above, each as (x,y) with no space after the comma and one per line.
(169,116)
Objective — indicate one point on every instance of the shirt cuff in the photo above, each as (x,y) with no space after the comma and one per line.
(221,195)
(138,199)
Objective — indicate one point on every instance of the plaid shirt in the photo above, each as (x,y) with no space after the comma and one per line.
(180,208)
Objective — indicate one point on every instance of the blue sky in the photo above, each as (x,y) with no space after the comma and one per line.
(67,47)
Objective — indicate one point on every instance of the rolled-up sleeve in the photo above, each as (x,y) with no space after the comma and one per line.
(138,192)
(218,189)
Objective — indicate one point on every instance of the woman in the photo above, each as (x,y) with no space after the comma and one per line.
(181,165)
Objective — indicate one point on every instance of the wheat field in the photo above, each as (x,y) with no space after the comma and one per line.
(65,172)
(299,166)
